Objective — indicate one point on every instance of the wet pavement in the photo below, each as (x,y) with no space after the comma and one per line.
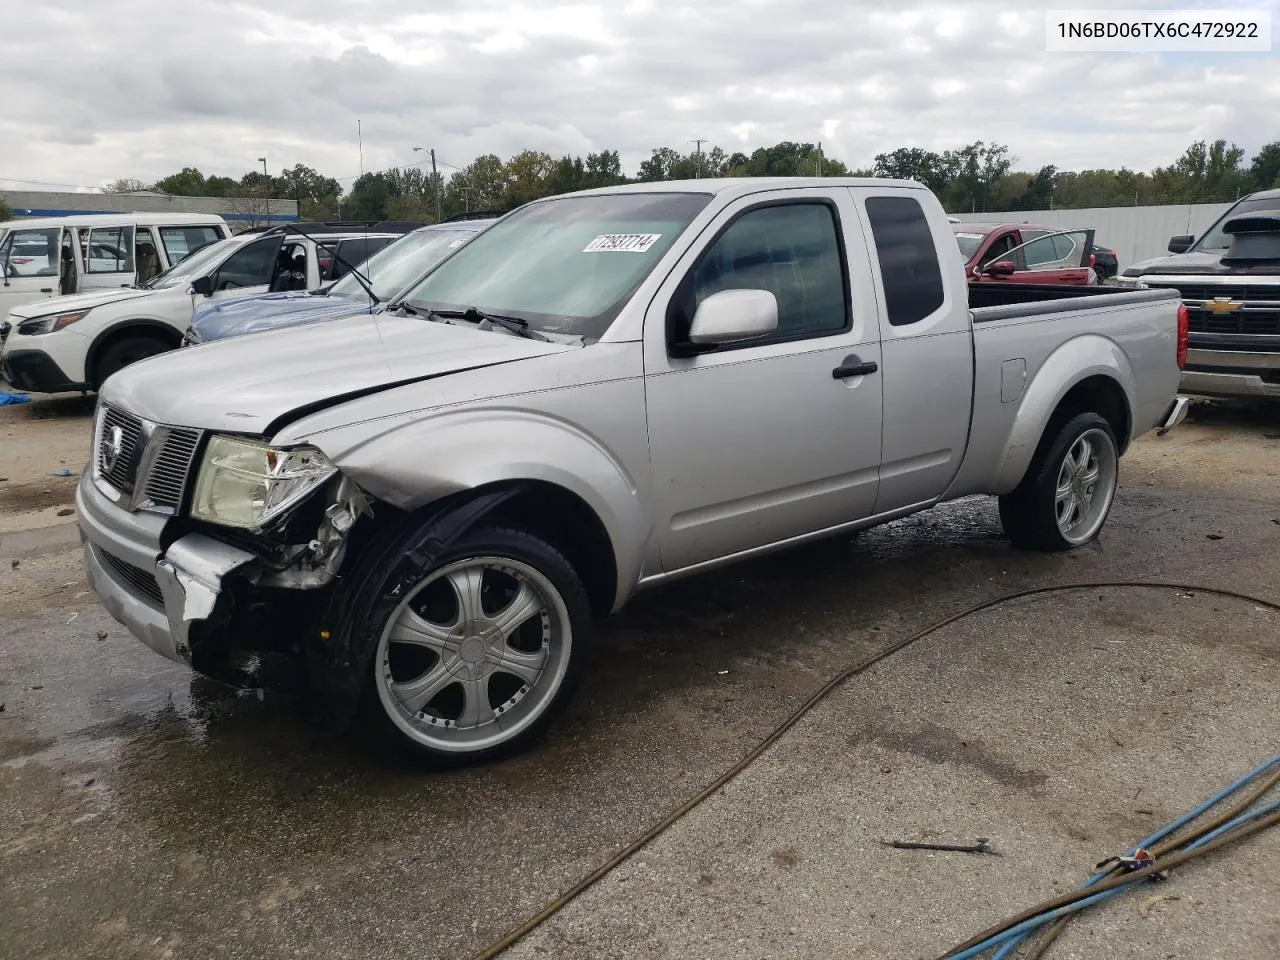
(146,815)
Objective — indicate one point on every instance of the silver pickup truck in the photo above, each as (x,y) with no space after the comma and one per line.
(425,509)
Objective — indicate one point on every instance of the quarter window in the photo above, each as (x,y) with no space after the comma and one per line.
(909,268)
(180,242)
(793,251)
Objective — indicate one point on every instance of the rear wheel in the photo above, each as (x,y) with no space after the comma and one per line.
(124,351)
(482,652)
(1066,496)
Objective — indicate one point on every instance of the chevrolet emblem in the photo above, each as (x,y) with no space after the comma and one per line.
(1221,306)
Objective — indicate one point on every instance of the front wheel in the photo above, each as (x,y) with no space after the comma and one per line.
(1066,496)
(483,651)
(125,351)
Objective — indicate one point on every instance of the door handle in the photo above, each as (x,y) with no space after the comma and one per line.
(46,289)
(854,367)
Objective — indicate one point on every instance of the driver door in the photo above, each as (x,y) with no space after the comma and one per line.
(249,270)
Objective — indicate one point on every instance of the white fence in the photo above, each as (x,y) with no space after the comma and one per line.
(1135,233)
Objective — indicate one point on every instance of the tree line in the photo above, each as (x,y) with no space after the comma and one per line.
(977,178)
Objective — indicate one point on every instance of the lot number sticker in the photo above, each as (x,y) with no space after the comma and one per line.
(622,243)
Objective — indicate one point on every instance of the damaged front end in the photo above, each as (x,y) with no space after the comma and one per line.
(228,576)
(237,598)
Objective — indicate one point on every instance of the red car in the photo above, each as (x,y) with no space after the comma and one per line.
(1025,253)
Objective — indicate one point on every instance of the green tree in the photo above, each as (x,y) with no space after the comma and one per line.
(604,169)
(1264,171)
(913,163)
(528,177)
(369,200)
(124,185)
(188,182)
(318,196)
(221,186)
(6,212)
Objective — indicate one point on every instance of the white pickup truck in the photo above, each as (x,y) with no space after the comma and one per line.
(426,507)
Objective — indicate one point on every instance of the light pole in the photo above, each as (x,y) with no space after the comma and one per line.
(266,187)
(434,182)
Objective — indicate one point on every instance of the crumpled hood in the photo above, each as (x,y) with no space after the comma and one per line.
(269,311)
(1196,264)
(77,301)
(248,384)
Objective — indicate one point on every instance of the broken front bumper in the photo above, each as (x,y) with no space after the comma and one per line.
(159,595)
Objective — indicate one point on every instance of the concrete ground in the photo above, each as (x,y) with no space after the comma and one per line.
(144,814)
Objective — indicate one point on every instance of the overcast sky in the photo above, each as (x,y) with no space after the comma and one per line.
(140,88)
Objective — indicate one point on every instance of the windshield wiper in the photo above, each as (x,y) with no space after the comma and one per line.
(516,325)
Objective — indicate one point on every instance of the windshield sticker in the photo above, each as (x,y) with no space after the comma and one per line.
(622,243)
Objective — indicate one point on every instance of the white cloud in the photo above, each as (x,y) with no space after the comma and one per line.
(213,84)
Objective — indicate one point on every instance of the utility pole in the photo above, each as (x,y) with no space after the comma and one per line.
(697,170)
(266,188)
(819,158)
(435,182)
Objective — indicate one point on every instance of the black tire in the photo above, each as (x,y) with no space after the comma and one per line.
(1030,514)
(124,351)
(379,604)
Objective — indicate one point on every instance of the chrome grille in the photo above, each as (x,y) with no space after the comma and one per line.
(1257,311)
(120,473)
(166,479)
(142,584)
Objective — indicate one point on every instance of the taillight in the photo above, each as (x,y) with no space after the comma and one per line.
(1184,333)
(1093,259)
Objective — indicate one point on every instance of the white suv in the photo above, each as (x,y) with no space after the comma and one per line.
(76,342)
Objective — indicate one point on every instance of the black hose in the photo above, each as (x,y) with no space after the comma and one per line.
(643,840)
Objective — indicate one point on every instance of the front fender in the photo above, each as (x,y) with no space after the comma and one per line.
(1071,363)
(415,463)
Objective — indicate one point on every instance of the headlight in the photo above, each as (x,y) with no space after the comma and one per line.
(246,483)
(56,321)
(1122,281)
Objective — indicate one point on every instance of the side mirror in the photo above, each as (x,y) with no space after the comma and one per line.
(1000,268)
(1182,243)
(732,315)
(202,285)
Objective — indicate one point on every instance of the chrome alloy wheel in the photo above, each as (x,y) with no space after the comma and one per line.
(1086,486)
(474,654)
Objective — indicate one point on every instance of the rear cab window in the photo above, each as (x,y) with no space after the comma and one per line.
(908,258)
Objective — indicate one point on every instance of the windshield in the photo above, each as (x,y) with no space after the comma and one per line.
(969,243)
(398,264)
(565,265)
(1215,239)
(195,265)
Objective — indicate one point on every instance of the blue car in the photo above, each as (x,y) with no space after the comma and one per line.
(389,271)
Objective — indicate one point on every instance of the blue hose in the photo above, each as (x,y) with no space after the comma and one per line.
(1025,929)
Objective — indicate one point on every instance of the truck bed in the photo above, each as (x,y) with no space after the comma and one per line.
(1007,301)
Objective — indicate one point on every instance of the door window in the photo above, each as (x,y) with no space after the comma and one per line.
(1040,254)
(998,249)
(109,250)
(180,242)
(353,252)
(250,266)
(31,253)
(792,250)
(909,268)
